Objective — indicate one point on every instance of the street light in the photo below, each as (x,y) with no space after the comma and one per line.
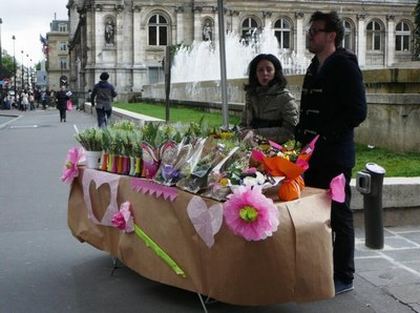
(22,70)
(14,65)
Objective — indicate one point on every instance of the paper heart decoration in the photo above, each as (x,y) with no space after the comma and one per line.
(206,221)
(337,187)
(101,178)
(99,199)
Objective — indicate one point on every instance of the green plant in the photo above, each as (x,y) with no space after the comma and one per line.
(90,139)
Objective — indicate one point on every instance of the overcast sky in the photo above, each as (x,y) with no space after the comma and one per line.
(27,19)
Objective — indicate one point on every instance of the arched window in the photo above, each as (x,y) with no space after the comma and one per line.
(374,36)
(402,37)
(283,31)
(348,39)
(158,30)
(249,27)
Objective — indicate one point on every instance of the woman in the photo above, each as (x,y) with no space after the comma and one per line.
(270,110)
(61,98)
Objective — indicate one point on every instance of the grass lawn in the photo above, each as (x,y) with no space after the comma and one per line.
(395,164)
(176,114)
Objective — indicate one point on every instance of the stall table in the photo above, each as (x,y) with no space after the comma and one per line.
(293,265)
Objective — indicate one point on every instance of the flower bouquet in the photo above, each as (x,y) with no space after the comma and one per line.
(291,161)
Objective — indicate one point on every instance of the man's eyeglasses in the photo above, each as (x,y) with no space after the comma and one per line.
(313,31)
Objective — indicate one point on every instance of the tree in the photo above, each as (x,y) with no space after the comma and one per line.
(7,66)
(417,31)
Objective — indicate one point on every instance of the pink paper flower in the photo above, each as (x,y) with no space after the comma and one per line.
(250,214)
(123,220)
(71,170)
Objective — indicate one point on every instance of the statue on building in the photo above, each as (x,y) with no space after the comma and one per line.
(207,31)
(109,31)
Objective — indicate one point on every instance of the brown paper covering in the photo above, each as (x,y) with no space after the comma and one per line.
(295,264)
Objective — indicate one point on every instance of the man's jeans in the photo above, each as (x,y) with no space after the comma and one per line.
(103,116)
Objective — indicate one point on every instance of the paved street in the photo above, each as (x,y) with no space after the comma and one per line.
(43,269)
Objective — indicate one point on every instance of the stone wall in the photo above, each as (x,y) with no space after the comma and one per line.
(393,97)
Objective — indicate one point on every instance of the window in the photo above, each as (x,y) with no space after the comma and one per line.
(373,38)
(402,37)
(63,46)
(249,27)
(282,31)
(63,64)
(62,28)
(158,30)
(348,38)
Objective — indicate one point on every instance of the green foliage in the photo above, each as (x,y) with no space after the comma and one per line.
(7,66)
(90,139)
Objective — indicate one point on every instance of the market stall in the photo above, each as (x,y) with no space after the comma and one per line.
(293,264)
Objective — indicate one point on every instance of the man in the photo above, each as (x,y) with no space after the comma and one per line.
(333,103)
(104,93)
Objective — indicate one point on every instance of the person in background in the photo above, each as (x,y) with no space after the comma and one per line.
(61,99)
(102,95)
(270,110)
(333,103)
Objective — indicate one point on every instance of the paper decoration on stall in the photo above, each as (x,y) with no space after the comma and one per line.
(101,178)
(123,219)
(159,251)
(75,156)
(250,214)
(206,221)
(337,188)
(153,189)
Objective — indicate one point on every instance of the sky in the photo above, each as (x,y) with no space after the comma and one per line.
(27,19)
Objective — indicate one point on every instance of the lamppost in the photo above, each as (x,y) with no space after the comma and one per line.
(22,70)
(14,65)
(27,71)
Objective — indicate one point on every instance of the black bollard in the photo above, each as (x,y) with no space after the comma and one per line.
(369,182)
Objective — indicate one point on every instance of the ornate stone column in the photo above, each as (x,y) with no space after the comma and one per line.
(137,44)
(234,21)
(361,40)
(300,35)
(179,11)
(120,43)
(197,22)
(390,41)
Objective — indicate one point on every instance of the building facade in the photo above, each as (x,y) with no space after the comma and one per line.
(57,54)
(127,38)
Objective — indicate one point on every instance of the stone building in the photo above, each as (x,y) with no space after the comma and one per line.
(127,38)
(58,55)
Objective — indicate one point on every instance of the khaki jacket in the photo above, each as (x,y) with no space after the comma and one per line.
(271,112)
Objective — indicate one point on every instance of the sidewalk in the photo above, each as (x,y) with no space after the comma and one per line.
(45,269)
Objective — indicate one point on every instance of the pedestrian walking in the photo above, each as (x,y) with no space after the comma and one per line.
(61,98)
(102,95)
(333,103)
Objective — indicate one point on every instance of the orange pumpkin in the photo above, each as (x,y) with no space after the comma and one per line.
(289,190)
(301,182)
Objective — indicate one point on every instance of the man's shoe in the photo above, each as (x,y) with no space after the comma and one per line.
(341,287)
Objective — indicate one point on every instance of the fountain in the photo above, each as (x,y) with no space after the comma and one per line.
(200,61)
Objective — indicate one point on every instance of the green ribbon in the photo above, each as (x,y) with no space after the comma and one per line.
(158,250)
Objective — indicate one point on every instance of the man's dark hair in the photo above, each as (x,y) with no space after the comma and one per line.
(252,70)
(333,23)
(104,76)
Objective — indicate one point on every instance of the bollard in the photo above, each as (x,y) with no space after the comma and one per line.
(369,182)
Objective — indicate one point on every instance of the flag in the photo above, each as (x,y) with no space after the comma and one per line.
(43,40)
